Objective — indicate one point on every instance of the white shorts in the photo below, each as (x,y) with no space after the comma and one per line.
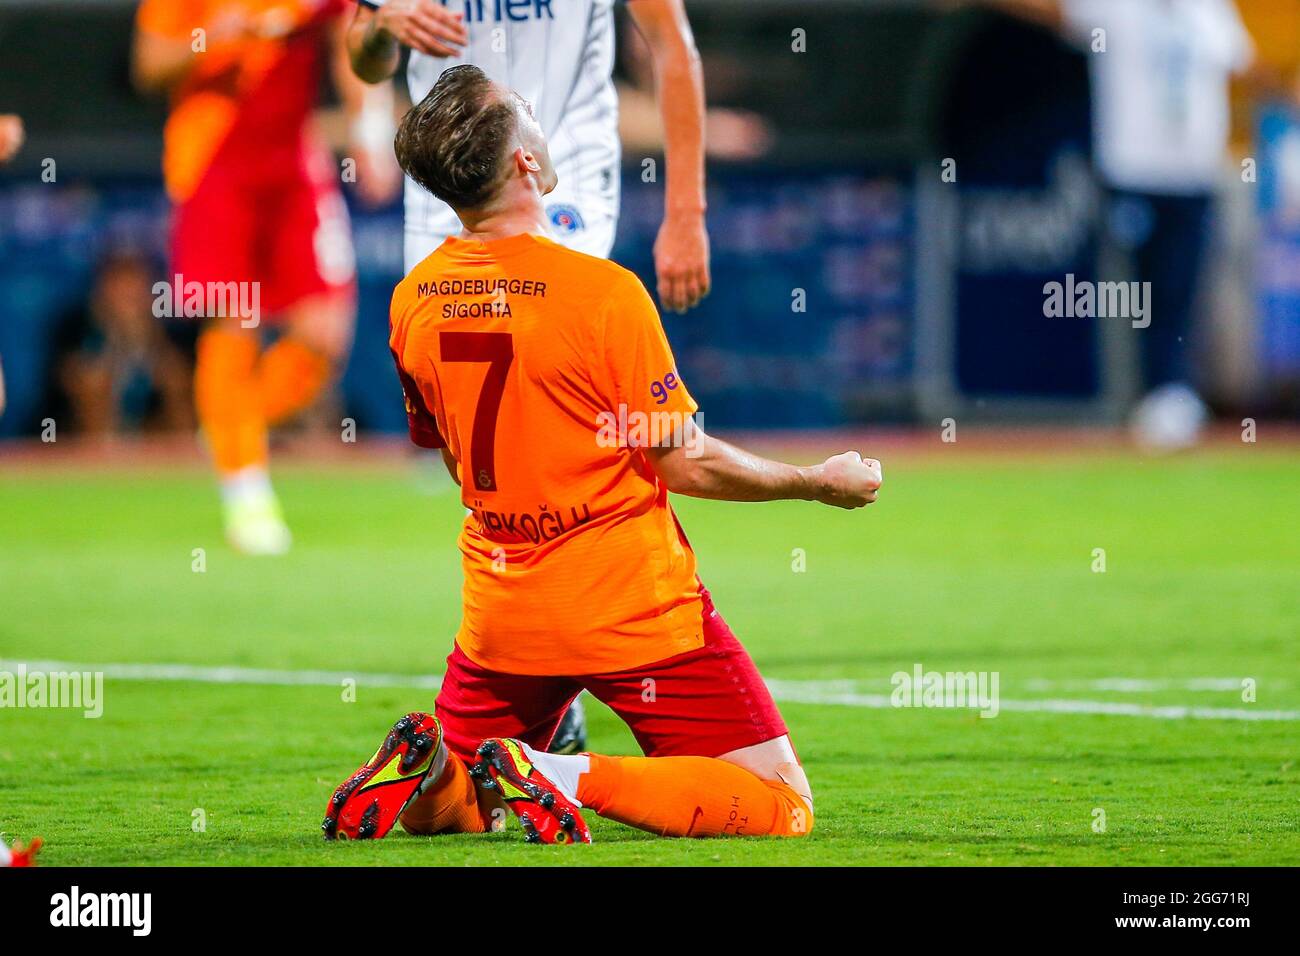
(586,224)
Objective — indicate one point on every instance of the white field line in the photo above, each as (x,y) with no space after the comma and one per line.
(810,692)
(830,692)
(1141,685)
(230,675)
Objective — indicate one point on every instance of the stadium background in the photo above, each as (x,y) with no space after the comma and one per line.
(836,204)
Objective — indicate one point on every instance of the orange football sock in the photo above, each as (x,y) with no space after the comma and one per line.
(691,796)
(450,805)
(227,400)
(290,376)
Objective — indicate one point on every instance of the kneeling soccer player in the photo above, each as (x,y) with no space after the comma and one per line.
(545,377)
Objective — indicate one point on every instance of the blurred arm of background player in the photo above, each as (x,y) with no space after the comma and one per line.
(159,63)
(682,247)
(701,466)
(1258,79)
(11,140)
(368,113)
(376,36)
(370,52)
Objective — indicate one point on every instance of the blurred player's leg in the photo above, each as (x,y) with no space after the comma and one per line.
(296,238)
(571,736)
(229,409)
(295,370)
(214,242)
(313,271)
(1168,253)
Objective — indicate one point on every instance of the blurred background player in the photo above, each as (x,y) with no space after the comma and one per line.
(1161,126)
(559,55)
(258,210)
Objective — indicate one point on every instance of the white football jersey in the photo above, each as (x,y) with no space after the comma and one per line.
(559,56)
(1160,77)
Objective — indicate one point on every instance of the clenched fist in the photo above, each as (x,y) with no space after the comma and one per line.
(848,480)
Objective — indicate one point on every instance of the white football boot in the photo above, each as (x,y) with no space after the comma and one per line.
(1171,418)
(254,522)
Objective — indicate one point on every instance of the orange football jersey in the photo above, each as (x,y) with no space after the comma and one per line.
(542,369)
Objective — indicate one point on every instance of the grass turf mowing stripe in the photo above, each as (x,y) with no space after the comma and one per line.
(830,692)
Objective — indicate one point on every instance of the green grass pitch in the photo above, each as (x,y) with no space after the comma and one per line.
(969,562)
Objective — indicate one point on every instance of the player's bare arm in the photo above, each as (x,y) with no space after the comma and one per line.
(682,247)
(701,466)
(377,35)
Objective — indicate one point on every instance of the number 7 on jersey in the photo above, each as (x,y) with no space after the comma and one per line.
(497,349)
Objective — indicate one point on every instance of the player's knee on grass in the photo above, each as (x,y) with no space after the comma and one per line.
(775,763)
(797,814)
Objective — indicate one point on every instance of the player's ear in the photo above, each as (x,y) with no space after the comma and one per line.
(526,161)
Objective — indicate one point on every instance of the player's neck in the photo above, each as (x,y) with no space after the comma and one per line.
(523,215)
